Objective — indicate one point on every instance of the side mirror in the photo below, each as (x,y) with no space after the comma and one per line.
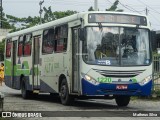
(82,34)
(153,41)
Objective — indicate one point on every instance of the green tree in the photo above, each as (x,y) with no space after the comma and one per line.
(32,21)
(22,22)
(48,14)
(61,14)
(91,9)
(114,7)
(2,44)
(5,23)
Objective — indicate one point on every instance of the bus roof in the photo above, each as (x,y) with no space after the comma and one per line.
(62,21)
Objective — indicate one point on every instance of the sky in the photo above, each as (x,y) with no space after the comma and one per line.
(25,8)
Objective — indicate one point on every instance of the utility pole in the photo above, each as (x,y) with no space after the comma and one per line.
(0,13)
(147,11)
(40,11)
(95,5)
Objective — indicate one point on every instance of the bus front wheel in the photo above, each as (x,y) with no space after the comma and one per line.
(122,101)
(66,99)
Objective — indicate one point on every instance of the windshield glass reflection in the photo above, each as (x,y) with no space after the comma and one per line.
(116,46)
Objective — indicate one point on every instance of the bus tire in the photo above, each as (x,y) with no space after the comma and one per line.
(122,101)
(66,99)
(25,93)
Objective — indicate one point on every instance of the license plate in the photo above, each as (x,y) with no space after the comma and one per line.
(121,87)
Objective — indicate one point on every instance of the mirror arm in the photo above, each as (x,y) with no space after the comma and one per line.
(82,22)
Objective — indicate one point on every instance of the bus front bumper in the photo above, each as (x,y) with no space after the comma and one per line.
(133,89)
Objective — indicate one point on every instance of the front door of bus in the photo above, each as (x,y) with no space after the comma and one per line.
(36,58)
(14,64)
(75,61)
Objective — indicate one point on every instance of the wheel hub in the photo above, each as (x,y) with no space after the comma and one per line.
(63,91)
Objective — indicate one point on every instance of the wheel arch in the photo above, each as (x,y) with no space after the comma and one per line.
(61,77)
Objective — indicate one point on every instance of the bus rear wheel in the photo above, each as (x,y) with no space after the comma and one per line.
(25,93)
(122,101)
(66,99)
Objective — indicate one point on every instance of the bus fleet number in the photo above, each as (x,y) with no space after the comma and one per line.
(104,79)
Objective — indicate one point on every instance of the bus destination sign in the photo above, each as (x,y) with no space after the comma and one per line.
(117,18)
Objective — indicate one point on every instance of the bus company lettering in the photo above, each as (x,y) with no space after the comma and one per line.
(49,59)
(49,67)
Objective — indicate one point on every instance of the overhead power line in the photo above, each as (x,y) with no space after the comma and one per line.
(130,8)
(136,10)
(58,2)
(109,1)
(127,7)
(148,6)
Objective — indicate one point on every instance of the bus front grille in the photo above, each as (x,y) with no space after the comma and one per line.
(119,74)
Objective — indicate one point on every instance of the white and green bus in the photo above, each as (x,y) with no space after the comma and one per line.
(85,55)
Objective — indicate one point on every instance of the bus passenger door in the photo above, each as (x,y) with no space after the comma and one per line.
(75,61)
(36,60)
(14,53)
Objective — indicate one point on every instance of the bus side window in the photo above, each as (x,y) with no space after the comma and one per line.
(61,34)
(48,41)
(8,49)
(27,44)
(20,46)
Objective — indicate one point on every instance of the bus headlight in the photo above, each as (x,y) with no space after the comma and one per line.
(87,77)
(90,79)
(146,80)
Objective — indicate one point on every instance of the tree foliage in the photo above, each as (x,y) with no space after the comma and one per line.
(22,23)
(114,7)
(5,22)
(48,14)
(2,46)
(91,9)
(61,14)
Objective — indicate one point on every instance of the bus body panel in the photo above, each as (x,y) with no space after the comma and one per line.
(133,89)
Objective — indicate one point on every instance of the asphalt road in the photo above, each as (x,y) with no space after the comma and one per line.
(81,109)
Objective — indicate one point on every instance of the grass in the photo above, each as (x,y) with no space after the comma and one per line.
(153,98)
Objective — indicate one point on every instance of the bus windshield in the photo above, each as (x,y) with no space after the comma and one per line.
(116,46)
